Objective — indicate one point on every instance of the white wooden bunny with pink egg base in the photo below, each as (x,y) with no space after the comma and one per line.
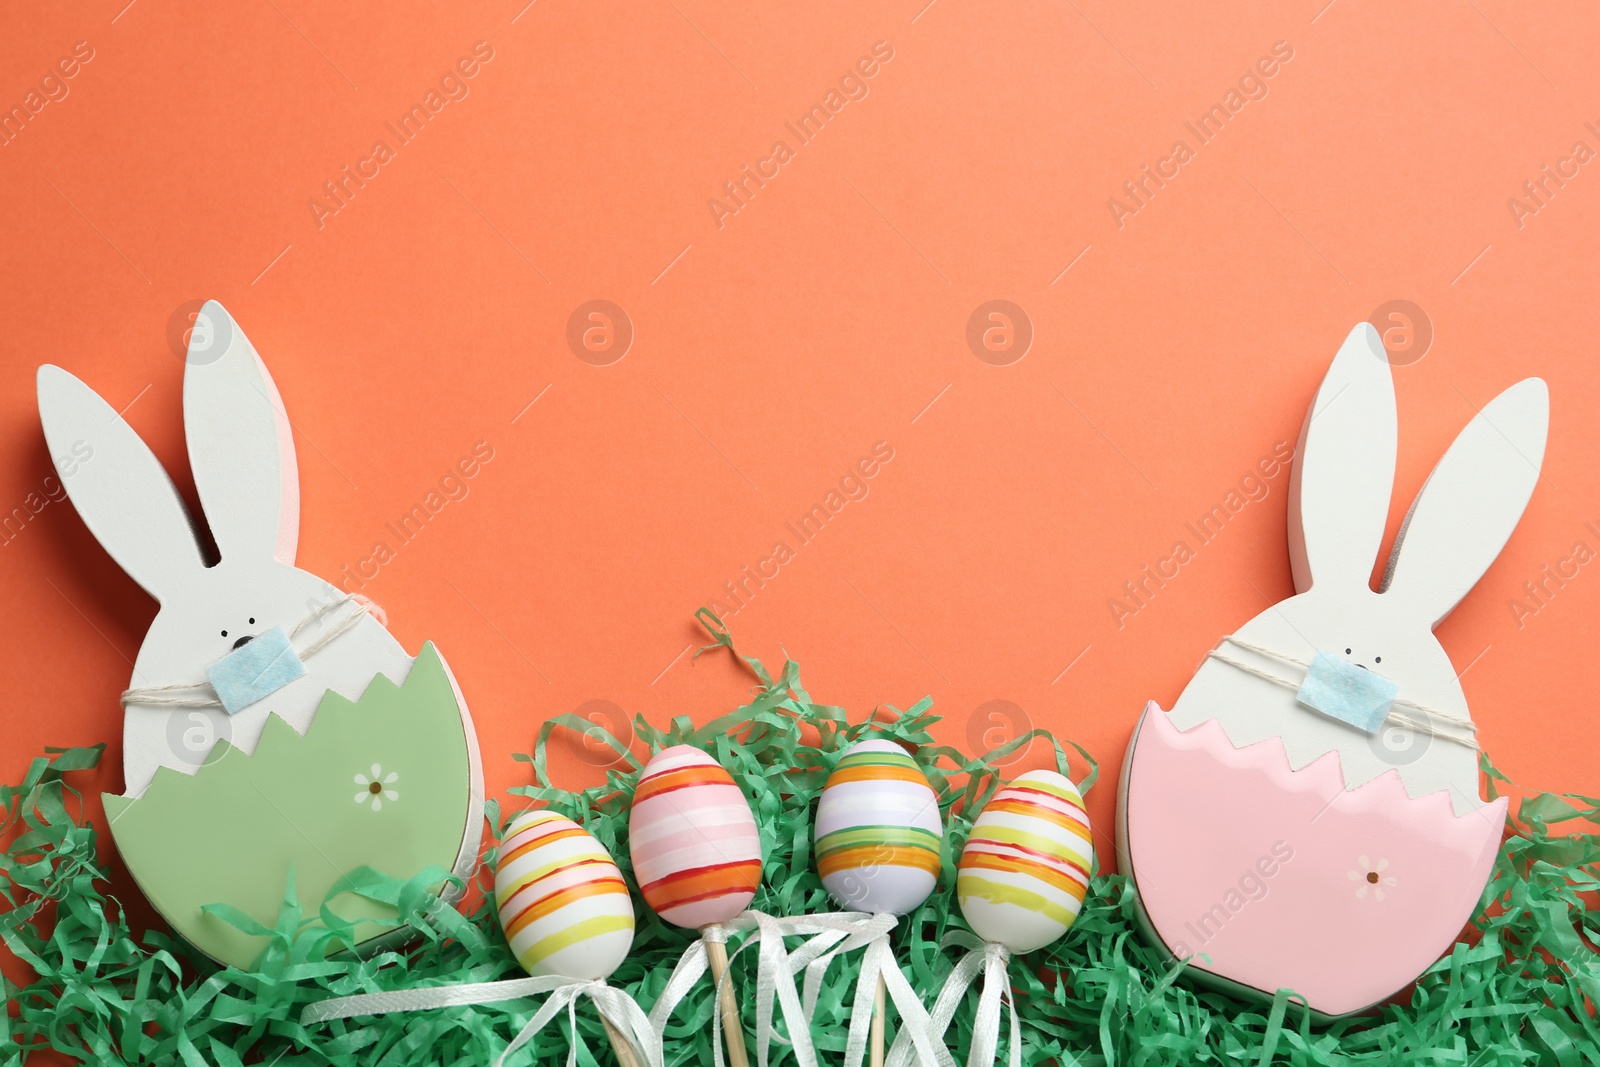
(273,728)
(1307,817)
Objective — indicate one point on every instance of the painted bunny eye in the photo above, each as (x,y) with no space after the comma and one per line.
(1377,659)
(1346,651)
(252,623)
(224,633)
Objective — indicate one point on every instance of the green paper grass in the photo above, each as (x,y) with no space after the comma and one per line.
(1521,989)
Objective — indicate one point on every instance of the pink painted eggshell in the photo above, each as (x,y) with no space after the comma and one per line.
(1343,895)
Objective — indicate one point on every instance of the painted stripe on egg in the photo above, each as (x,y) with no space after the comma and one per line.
(539,907)
(1074,881)
(863,846)
(701,883)
(532,883)
(682,778)
(971,886)
(1073,824)
(576,934)
(523,844)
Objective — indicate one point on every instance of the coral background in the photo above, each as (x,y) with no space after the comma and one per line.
(773,347)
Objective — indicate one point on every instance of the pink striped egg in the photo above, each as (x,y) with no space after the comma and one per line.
(561,899)
(696,852)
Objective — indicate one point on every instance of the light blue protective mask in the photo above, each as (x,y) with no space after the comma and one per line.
(255,670)
(1341,690)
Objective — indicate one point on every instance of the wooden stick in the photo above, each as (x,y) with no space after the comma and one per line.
(879,1007)
(620,1045)
(732,1028)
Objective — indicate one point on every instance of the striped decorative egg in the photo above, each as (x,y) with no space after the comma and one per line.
(878,830)
(1025,866)
(696,852)
(561,899)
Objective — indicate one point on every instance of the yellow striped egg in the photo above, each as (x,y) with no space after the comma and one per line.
(878,833)
(561,899)
(1025,867)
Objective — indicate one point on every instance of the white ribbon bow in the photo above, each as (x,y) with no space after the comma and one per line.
(831,933)
(991,959)
(773,979)
(877,962)
(614,1006)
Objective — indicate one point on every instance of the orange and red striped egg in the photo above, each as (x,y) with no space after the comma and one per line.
(561,899)
(696,852)
(1025,867)
(878,833)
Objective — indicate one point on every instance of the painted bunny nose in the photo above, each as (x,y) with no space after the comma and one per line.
(245,640)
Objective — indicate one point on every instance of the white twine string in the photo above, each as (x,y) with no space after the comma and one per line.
(202,695)
(1432,721)
(615,1006)
(990,959)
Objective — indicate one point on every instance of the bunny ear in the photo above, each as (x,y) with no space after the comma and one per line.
(1466,510)
(241,448)
(118,485)
(1344,472)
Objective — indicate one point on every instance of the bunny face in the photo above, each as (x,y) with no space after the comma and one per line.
(223,611)
(241,451)
(1395,645)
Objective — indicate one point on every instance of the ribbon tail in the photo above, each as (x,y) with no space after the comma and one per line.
(950,997)
(814,957)
(986,1025)
(547,1011)
(1016,1028)
(433,997)
(631,1022)
(691,965)
(830,934)
(774,975)
(855,1048)
(764,987)
(572,1027)
(914,1018)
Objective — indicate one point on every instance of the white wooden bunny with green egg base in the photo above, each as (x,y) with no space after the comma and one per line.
(1307,817)
(272,724)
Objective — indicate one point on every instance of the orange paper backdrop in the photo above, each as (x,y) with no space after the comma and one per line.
(794,317)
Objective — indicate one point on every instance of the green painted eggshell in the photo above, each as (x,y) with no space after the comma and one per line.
(384,782)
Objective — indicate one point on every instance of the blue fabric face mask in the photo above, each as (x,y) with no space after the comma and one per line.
(1341,690)
(255,670)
